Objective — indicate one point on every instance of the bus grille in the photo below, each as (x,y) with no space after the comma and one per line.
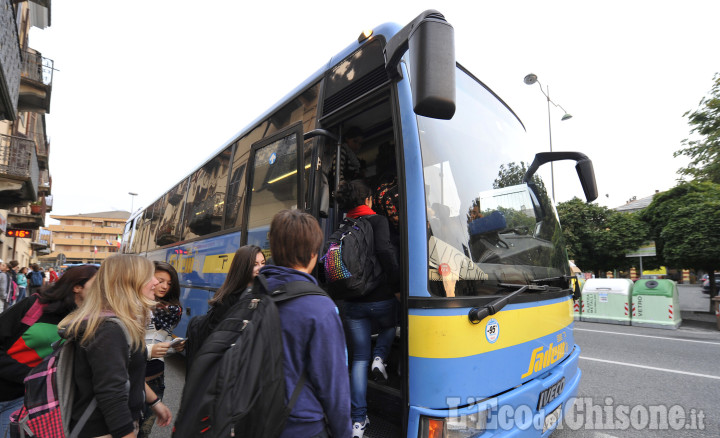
(356,89)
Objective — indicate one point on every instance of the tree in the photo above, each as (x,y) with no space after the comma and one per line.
(624,232)
(685,224)
(598,238)
(704,152)
(513,174)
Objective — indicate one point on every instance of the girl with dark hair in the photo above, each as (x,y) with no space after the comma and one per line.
(375,308)
(29,328)
(165,317)
(244,267)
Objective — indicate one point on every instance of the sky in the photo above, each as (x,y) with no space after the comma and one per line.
(145,91)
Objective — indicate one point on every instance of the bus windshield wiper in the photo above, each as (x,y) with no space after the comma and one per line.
(551,279)
(477,314)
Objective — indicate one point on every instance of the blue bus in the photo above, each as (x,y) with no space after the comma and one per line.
(484,344)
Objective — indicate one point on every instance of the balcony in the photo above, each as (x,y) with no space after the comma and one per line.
(29,216)
(35,83)
(10,62)
(19,172)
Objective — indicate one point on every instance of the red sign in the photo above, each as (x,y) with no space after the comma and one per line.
(444,269)
(12,232)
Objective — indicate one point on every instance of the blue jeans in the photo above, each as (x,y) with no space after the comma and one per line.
(21,293)
(7,408)
(359,318)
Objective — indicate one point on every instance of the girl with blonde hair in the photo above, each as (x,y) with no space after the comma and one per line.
(105,362)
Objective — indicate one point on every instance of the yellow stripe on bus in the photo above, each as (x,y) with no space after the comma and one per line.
(455,336)
(218,263)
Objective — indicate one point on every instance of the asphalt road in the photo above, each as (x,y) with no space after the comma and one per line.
(632,373)
(629,372)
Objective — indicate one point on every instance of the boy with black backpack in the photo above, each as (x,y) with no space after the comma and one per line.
(276,365)
(313,337)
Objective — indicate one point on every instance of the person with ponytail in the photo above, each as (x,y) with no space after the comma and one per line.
(104,361)
(376,307)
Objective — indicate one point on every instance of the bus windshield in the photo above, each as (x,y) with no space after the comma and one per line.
(485,227)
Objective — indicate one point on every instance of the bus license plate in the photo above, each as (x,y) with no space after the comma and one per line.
(551,393)
(551,419)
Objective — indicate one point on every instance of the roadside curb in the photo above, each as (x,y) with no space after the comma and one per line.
(705,320)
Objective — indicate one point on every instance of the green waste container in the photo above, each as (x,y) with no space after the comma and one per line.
(656,304)
(606,300)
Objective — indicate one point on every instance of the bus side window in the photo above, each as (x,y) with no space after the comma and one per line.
(206,197)
(170,215)
(127,235)
(274,184)
(151,220)
(235,197)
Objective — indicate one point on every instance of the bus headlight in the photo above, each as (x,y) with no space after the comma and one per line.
(463,426)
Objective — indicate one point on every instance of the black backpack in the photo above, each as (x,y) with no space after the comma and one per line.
(236,386)
(350,266)
(201,326)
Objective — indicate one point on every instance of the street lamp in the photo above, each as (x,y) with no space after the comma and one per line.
(531,79)
(132,199)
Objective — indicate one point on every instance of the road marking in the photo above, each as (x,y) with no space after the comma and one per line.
(647,336)
(650,368)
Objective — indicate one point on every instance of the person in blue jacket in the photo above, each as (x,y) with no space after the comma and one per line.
(313,337)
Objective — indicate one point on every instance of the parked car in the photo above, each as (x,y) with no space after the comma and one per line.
(706,284)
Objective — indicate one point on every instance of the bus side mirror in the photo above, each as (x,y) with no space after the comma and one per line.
(586,174)
(430,41)
(584,168)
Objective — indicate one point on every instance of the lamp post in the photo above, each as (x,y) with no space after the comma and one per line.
(132,199)
(531,79)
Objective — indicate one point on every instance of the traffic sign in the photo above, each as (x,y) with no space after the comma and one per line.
(17,232)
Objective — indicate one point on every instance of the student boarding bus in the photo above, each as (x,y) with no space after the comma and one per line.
(484,344)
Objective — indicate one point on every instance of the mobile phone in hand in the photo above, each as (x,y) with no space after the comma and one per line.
(176,341)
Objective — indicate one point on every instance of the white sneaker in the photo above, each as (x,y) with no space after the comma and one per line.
(378,369)
(359,428)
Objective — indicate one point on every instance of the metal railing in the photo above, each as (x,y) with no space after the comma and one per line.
(37,68)
(17,156)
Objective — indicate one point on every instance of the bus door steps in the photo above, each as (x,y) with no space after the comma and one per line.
(380,427)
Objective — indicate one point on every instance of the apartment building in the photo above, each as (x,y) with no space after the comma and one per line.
(85,238)
(25,90)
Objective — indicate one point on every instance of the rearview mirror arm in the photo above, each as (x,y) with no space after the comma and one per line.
(583,167)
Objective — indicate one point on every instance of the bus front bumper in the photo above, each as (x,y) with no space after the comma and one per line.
(511,414)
